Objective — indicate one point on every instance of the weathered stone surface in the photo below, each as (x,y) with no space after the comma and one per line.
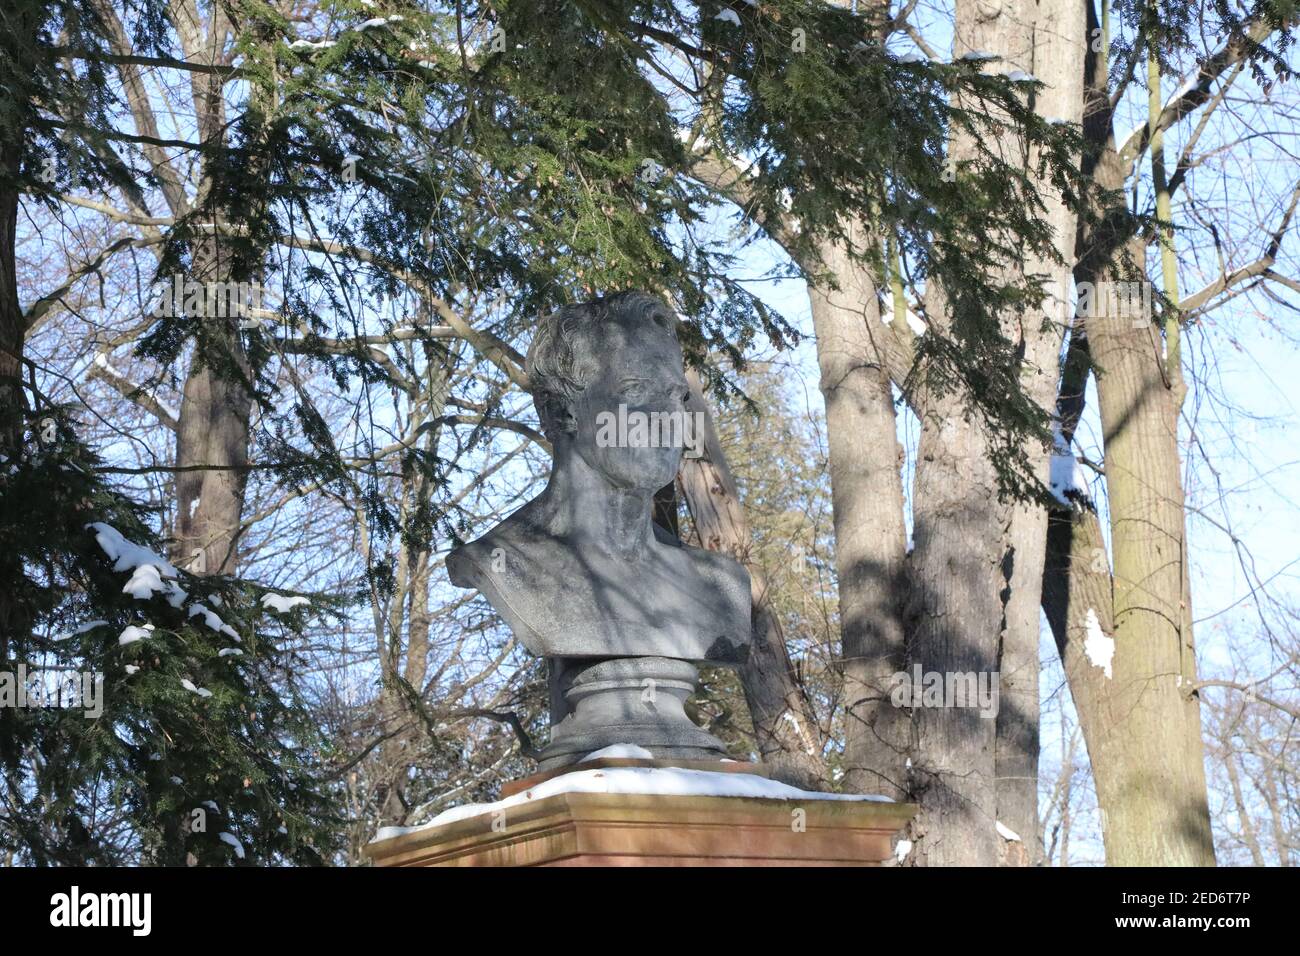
(629,700)
(581,574)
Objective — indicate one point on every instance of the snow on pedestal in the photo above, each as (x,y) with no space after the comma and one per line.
(652,816)
(643,781)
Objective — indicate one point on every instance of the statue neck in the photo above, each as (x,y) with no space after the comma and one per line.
(581,504)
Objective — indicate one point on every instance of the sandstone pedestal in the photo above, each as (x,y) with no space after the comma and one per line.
(627,829)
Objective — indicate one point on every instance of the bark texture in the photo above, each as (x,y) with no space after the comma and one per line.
(867,501)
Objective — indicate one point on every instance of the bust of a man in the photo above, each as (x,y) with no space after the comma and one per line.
(581,570)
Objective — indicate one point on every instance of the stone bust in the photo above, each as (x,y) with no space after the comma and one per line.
(581,571)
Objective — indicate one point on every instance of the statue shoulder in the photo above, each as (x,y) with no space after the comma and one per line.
(501,553)
(724,570)
(467,564)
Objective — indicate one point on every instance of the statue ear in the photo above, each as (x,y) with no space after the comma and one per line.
(559,410)
(565,417)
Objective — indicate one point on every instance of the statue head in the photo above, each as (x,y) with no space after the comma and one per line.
(609,387)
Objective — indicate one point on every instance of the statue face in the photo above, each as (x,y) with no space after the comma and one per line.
(631,419)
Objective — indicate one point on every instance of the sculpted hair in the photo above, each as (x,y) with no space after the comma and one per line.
(565,353)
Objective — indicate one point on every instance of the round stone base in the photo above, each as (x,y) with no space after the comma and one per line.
(629,700)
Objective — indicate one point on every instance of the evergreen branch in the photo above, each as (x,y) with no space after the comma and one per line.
(132,59)
(499,352)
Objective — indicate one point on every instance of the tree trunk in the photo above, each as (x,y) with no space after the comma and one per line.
(963,564)
(1142,729)
(954,611)
(867,500)
(1154,800)
(14,621)
(1059,45)
(212,453)
(19,28)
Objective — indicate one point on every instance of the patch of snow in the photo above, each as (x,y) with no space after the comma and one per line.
(621,750)
(1007,833)
(1098,647)
(234,842)
(132,669)
(914,57)
(127,555)
(161,403)
(905,847)
(1020,76)
(281,604)
(176,594)
(131,635)
(1188,85)
(230,652)
(728,16)
(1067,477)
(189,686)
(144,583)
(1132,134)
(310,45)
(979,56)
(379,22)
(177,780)
(661,781)
(80,629)
(914,321)
(211,619)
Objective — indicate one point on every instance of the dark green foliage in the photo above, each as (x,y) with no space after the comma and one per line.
(138,784)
